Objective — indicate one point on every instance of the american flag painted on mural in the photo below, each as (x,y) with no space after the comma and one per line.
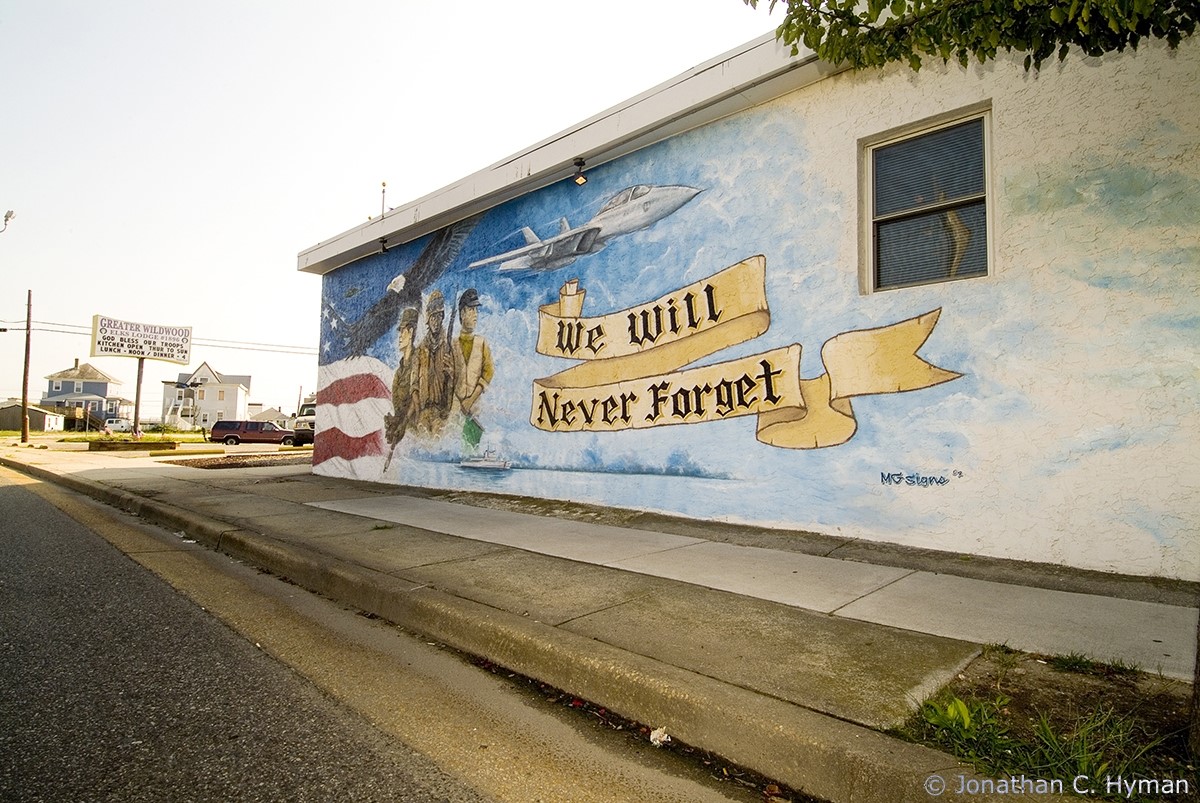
(353,389)
(353,396)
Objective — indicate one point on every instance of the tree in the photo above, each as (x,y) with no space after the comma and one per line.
(872,33)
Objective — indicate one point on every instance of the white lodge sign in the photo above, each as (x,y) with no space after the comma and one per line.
(115,338)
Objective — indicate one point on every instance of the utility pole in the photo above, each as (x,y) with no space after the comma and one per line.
(9,215)
(25,378)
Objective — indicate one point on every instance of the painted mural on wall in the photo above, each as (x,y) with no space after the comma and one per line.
(686,334)
(635,368)
(632,379)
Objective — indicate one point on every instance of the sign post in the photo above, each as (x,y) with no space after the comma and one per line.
(116,338)
(137,399)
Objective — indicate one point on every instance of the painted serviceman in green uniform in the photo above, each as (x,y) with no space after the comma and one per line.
(473,367)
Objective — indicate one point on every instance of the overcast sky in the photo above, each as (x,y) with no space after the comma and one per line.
(167,161)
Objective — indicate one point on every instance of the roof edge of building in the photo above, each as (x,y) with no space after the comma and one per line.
(746,76)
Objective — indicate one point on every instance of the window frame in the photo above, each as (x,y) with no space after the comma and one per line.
(867,146)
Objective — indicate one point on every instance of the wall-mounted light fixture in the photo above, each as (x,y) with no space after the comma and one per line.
(579,178)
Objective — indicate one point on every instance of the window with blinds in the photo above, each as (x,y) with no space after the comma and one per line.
(929,207)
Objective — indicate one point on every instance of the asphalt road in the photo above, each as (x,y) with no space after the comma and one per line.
(115,687)
(205,679)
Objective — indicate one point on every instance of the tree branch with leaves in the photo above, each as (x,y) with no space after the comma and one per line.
(872,33)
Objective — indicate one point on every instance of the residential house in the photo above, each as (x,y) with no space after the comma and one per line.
(197,399)
(272,414)
(90,395)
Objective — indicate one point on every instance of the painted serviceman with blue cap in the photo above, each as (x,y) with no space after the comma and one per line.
(473,367)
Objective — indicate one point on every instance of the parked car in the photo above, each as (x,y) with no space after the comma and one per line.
(234,432)
(118,424)
(306,423)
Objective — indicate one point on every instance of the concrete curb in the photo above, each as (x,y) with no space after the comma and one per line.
(809,751)
(201,528)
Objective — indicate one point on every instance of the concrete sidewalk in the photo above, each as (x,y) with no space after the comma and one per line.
(786,662)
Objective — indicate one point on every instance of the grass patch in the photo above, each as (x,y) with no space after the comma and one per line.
(92,435)
(87,437)
(1014,714)
(1083,665)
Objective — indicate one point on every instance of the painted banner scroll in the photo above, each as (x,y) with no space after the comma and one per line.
(631,374)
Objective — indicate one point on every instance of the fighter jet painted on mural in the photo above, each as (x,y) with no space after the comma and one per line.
(631,209)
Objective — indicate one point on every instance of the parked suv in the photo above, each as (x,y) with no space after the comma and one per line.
(234,432)
(306,423)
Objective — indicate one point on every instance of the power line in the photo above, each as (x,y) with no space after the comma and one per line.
(235,345)
(203,341)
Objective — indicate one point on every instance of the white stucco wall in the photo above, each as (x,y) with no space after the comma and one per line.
(1072,436)
(1084,438)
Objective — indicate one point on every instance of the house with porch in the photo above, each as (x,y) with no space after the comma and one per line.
(86,396)
(197,399)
